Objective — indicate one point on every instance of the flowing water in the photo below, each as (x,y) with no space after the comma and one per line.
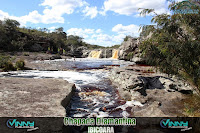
(95,54)
(115,54)
(95,95)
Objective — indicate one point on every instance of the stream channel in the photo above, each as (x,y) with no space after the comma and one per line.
(95,96)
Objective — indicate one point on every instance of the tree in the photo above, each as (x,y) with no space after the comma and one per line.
(172,43)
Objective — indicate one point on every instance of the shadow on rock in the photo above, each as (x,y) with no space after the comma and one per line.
(150,83)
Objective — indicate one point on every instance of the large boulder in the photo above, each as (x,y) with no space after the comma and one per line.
(85,53)
(106,53)
(76,51)
(129,50)
(127,46)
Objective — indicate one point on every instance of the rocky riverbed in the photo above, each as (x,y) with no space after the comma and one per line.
(160,95)
(140,90)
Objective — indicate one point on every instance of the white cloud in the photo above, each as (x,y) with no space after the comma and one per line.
(34,17)
(90,12)
(61,7)
(119,38)
(105,39)
(130,7)
(53,12)
(98,31)
(97,37)
(80,32)
(102,12)
(3,15)
(51,29)
(128,30)
(46,18)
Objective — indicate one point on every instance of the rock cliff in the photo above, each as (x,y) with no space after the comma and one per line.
(129,50)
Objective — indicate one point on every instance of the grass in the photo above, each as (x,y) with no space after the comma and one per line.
(192,102)
(192,106)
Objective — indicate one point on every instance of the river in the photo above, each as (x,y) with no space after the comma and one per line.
(95,95)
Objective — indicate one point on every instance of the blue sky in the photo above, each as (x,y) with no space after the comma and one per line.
(101,22)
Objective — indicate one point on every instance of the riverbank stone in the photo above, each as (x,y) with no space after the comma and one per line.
(23,97)
(161,95)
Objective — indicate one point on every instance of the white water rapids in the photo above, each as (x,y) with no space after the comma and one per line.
(95,95)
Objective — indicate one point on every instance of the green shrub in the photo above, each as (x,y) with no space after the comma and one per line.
(126,38)
(20,65)
(130,55)
(26,54)
(4,60)
(8,66)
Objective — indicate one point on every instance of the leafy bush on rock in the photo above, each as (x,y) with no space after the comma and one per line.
(8,66)
(20,65)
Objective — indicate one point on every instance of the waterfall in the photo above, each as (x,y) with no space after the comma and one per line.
(115,54)
(95,54)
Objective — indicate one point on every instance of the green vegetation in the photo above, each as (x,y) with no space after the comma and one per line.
(192,106)
(26,54)
(20,65)
(172,43)
(3,60)
(126,38)
(14,38)
(6,64)
(130,55)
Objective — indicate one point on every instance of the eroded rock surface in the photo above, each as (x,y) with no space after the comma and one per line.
(22,97)
(161,95)
(129,50)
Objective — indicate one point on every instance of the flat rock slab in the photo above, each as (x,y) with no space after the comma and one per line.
(23,97)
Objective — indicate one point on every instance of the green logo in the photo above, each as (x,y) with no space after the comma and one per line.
(186,7)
